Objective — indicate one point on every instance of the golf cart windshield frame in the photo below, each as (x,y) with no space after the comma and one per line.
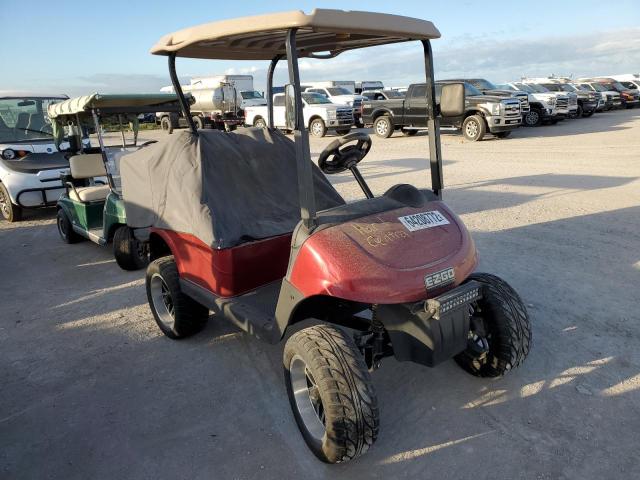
(301,135)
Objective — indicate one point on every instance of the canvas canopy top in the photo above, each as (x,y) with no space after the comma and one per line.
(262,37)
(111,102)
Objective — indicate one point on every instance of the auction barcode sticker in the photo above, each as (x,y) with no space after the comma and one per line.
(420,221)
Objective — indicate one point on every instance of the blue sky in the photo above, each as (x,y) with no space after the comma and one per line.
(77,47)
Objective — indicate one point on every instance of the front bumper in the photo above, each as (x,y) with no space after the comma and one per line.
(499,123)
(434,330)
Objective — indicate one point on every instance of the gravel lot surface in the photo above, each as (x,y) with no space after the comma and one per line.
(90,389)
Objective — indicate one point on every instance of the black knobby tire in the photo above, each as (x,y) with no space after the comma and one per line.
(185,316)
(129,252)
(383,126)
(260,123)
(317,127)
(9,210)
(409,133)
(66,231)
(507,329)
(533,118)
(474,128)
(345,390)
(343,131)
(503,134)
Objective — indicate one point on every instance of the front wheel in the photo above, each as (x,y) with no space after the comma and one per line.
(383,126)
(65,229)
(177,314)
(10,211)
(474,128)
(318,128)
(579,112)
(533,118)
(129,252)
(331,393)
(166,125)
(500,332)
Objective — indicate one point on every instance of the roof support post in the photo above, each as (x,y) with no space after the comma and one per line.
(186,111)
(270,72)
(301,137)
(433,123)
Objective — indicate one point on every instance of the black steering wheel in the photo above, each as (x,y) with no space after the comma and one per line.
(335,159)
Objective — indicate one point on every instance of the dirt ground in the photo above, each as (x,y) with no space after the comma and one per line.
(89,388)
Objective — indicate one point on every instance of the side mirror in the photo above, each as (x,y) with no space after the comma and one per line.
(290,107)
(452,100)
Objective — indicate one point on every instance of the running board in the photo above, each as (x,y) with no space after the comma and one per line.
(253,312)
(88,234)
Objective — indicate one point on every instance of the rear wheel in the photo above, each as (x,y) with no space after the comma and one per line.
(331,393)
(129,252)
(260,123)
(65,229)
(500,333)
(10,211)
(177,314)
(317,127)
(474,128)
(383,126)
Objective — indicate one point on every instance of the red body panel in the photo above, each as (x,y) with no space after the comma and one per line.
(230,271)
(376,259)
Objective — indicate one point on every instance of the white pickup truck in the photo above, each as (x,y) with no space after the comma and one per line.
(340,96)
(320,115)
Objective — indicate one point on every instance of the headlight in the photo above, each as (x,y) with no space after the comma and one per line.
(8,154)
(331,114)
(350,104)
(496,108)
(552,101)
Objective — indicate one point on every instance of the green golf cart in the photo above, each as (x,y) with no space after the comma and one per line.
(92,207)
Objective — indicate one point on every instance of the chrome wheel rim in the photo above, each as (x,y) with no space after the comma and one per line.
(381,127)
(532,118)
(260,124)
(316,129)
(307,398)
(162,301)
(471,129)
(4,204)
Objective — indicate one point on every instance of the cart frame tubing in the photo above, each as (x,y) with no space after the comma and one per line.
(272,68)
(186,110)
(433,123)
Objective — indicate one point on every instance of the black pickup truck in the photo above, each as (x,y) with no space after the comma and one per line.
(483,113)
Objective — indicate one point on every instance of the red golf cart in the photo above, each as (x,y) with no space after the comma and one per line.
(244,224)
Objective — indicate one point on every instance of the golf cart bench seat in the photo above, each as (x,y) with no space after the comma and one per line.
(89,165)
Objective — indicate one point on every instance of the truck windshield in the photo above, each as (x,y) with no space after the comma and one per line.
(525,88)
(251,94)
(393,94)
(538,88)
(482,84)
(471,90)
(314,98)
(333,91)
(25,119)
(504,86)
(598,88)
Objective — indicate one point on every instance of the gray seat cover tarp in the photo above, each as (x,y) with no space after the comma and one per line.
(224,188)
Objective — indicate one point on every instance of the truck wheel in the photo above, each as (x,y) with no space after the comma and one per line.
(474,128)
(10,211)
(409,133)
(503,134)
(260,123)
(129,252)
(588,114)
(177,314)
(66,231)
(331,393)
(500,333)
(166,125)
(343,131)
(198,122)
(317,127)
(533,118)
(580,111)
(383,126)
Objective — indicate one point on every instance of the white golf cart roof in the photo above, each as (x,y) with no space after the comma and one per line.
(262,37)
(111,101)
